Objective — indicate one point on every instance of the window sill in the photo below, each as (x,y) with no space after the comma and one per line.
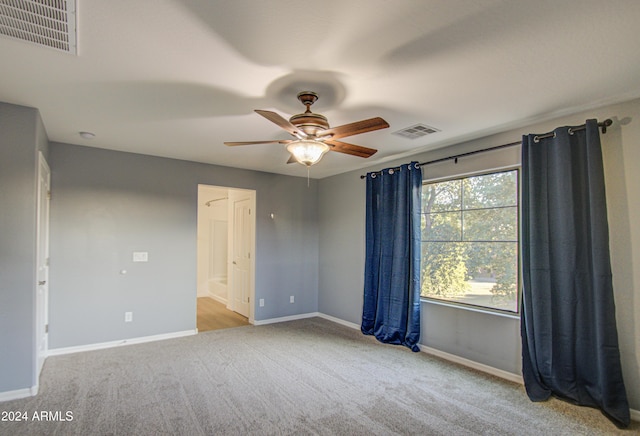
(470,308)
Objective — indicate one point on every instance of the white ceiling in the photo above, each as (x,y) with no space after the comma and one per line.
(178,78)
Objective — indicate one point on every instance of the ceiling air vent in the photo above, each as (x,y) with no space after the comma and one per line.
(416,131)
(49,23)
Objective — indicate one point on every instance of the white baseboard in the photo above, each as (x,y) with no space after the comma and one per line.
(516,378)
(307,315)
(635,415)
(217,298)
(111,344)
(285,318)
(339,321)
(19,393)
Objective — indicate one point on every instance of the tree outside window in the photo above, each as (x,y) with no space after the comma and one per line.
(470,240)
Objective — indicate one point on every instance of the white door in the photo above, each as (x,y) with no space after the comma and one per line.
(241,259)
(42,262)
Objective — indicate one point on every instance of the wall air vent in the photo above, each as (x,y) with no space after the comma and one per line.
(49,23)
(416,131)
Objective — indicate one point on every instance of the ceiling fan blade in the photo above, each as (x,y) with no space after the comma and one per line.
(346,148)
(282,122)
(277,141)
(356,128)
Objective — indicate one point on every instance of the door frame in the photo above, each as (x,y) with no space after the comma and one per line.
(234,194)
(41,319)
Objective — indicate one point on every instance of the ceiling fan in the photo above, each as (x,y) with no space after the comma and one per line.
(314,137)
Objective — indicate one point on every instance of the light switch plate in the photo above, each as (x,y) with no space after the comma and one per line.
(140,256)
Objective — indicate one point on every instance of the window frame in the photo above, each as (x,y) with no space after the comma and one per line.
(475,307)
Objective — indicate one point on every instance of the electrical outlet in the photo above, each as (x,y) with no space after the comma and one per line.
(292,299)
(262,302)
(128,317)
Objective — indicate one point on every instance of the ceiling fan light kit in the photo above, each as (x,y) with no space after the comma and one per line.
(314,136)
(307,152)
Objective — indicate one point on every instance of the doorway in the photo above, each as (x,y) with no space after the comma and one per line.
(226,257)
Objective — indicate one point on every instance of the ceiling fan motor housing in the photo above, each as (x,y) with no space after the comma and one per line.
(309,122)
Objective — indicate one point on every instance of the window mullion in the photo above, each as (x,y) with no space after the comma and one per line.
(461,210)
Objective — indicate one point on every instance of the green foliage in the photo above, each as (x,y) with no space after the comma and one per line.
(470,229)
(444,270)
(506,271)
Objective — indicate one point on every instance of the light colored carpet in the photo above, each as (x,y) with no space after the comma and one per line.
(309,376)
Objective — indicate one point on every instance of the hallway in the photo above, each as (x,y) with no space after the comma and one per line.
(213,315)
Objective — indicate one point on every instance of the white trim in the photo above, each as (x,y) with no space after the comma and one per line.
(285,318)
(443,355)
(112,344)
(236,195)
(41,292)
(635,415)
(462,306)
(516,378)
(19,393)
(339,321)
(474,173)
(217,298)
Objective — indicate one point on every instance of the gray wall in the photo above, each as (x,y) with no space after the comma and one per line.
(107,204)
(490,339)
(22,135)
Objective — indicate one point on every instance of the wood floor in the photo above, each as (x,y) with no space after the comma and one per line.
(213,315)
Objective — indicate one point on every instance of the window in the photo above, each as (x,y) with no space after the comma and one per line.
(470,241)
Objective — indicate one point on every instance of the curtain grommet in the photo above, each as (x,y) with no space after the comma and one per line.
(536,139)
(373,175)
(570,130)
(391,171)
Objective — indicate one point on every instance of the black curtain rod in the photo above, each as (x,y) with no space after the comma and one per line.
(603,125)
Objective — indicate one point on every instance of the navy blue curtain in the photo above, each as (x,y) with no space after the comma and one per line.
(391,310)
(568,327)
